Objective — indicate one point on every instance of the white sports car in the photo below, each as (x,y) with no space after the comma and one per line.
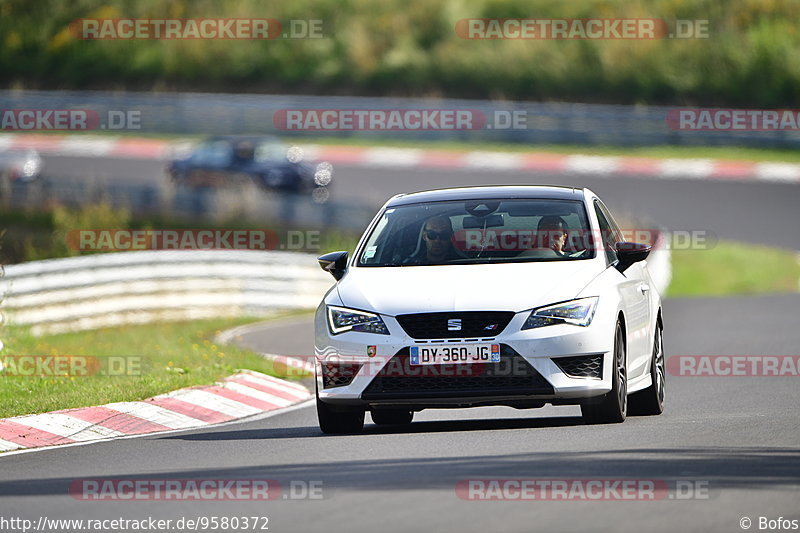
(514,295)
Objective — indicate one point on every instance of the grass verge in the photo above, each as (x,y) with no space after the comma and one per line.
(153,358)
(733,268)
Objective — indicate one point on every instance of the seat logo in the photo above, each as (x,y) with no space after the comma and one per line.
(453,324)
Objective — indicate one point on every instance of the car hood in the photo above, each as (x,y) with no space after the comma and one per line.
(510,286)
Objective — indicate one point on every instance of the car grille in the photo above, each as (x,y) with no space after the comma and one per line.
(513,375)
(584,366)
(478,324)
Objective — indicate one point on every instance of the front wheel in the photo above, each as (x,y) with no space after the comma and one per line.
(650,401)
(338,422)
(612,407)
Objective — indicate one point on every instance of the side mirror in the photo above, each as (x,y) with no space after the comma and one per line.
(629,253)
(335,263)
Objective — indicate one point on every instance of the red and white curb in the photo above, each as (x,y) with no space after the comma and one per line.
(244,394)
(713,169)
(89,146)
(559,163)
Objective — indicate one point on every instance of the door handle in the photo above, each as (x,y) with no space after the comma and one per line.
(644,287)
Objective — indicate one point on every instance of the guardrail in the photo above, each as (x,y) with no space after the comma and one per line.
(545,123)
(106,290)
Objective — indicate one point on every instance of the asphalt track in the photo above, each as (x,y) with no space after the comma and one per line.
(750,211)
(739,435)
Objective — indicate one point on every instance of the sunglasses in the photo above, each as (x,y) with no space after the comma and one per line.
(434,235)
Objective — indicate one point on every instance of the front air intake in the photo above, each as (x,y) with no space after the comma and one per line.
(583,366)
(338,374)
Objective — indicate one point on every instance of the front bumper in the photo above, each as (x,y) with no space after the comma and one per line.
(537,366)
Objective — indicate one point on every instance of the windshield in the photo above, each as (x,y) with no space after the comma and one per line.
(212,153)
(479,231)
(270,151)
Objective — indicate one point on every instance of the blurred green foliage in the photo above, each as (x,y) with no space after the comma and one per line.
(32,236)
(409,47)
(27,235)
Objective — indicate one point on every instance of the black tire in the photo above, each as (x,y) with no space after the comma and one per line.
(339,421)
(611,408)
(650,401)
(392,417)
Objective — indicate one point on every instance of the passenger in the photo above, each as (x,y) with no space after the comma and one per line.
(551,236)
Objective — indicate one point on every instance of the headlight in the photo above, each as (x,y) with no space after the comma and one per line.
(294,154)
(578,312)
(31,168)
(323,174)
(341,319)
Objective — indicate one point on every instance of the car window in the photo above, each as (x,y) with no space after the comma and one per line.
(607,233)
(212,153)
(610,218)
(479,231)
(270,151)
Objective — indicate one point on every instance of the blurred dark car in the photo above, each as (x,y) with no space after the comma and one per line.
(20,165)
(233,160)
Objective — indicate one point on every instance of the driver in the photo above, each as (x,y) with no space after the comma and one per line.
(244,151)
(437,235)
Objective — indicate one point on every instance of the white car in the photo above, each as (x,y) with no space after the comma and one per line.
(510,295)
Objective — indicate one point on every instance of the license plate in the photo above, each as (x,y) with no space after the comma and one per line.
(444,354)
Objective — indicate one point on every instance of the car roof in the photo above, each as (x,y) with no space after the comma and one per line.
(552,192)
(255,139)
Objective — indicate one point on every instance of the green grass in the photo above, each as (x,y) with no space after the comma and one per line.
(172,356)
(732,268)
